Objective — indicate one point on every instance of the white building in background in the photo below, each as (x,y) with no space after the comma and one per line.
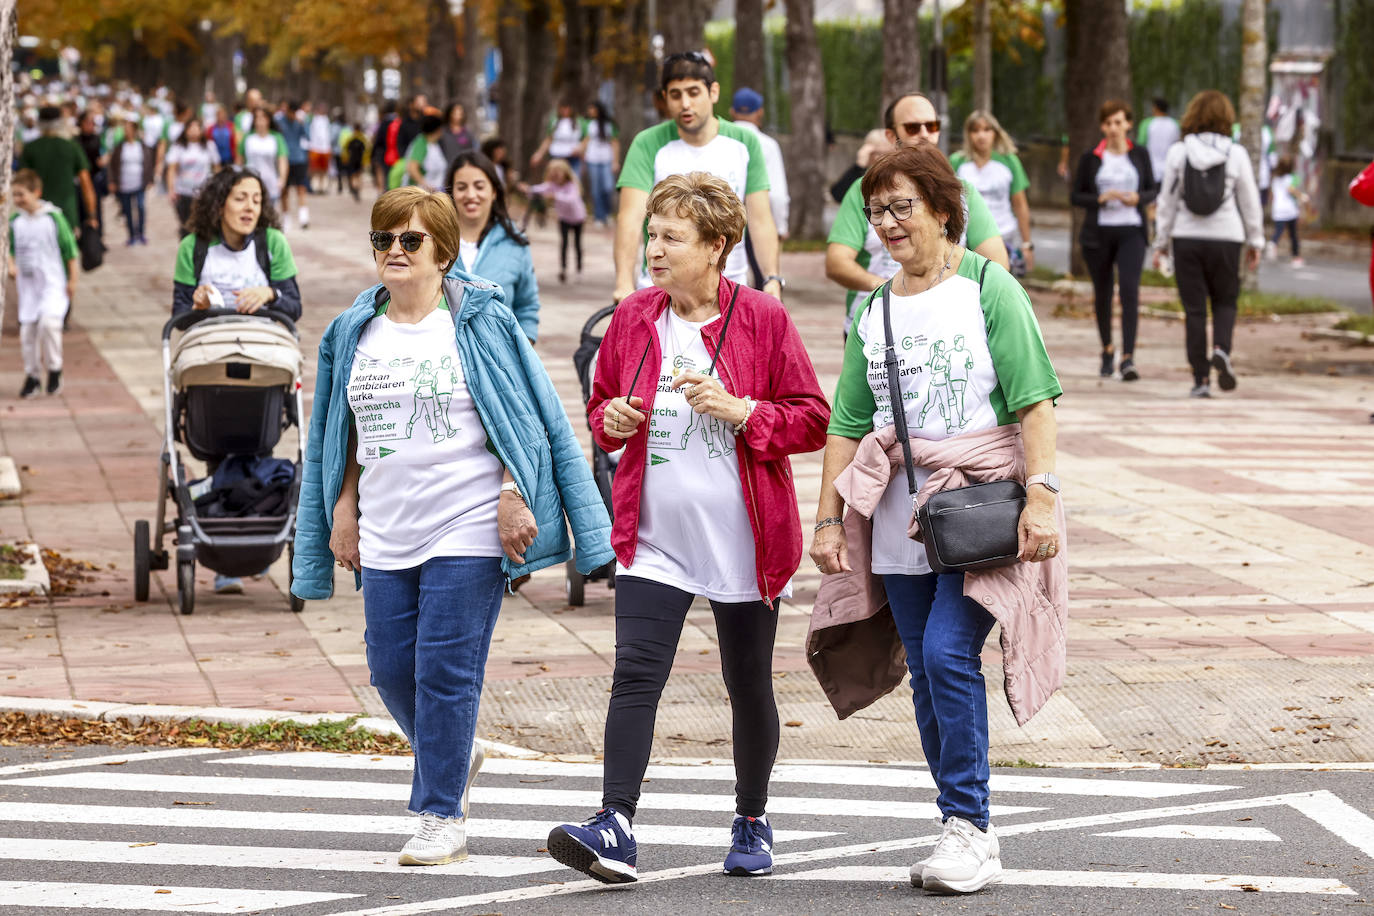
(825,9)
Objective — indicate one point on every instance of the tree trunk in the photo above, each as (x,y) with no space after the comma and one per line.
(1254,50)
(1096,68)
(749,60)
(470,67)
(9,33)
(511,89)
(539,67)
(630,36)
(806,163)
(982,54)
(441,52)
(683,24)
(901,51)
(222,49)
(574,81)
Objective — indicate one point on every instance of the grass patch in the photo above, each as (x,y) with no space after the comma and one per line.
(1044,274)
(283,735)
(1151,277)
(1362,323)
(1021,763)
(11,562)
(807,245)
(1254,303)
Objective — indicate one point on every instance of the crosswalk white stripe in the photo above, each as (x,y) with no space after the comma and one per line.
(32,895)
(1199,832)
(107,760)
(309,822)
(285,857)
(811,774)
(573,800)
(1098,879)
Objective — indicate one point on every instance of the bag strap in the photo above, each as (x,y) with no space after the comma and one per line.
(198,251)
(263,252)
(720,344)
(894,393)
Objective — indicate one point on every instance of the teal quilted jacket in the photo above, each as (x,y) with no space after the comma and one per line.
(520,410)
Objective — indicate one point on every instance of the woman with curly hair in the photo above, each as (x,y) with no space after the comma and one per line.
(236,255)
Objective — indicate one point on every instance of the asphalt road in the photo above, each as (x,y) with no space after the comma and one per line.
(240,831)
(1345,281)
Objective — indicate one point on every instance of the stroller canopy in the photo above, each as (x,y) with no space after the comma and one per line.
(236,350)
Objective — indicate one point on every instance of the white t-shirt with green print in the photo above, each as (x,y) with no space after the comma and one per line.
(429,486)
(694,532)
(968,362)
(733,154)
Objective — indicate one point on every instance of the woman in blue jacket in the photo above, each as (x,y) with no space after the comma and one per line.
(492,248)
(440,466)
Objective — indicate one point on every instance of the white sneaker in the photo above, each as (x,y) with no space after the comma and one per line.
(437,842)
(965,860)
(1271,251)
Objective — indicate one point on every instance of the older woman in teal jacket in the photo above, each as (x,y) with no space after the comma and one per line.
(492,248)
(440,466)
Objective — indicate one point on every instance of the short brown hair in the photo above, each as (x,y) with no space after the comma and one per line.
(29,180)
(705,201)
(1111,107)
(435,210)
(928,169)
(1209,112)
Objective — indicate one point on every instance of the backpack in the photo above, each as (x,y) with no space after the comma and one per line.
(1204,189)
(202,247)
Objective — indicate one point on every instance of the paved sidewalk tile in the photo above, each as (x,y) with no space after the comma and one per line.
(1222,551)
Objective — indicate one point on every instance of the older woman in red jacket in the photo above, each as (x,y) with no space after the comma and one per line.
(708,388)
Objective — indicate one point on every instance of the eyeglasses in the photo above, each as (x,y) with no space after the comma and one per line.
(914,128)
(900,209)
(410,239)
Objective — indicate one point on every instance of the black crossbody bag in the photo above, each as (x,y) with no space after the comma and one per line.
(964,528)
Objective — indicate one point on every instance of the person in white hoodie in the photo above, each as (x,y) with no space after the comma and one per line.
(1209,208)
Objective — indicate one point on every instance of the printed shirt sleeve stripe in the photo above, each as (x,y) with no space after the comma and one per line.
(850,228)
(981,226)
(852,410)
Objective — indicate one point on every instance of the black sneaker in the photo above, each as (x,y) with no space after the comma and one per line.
(1108,364)
(1128,370)
(54,381)
(31,387)
(1226,377)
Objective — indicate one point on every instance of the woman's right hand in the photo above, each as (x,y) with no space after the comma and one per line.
(200,299)
(343,542)
(830,550)
(621,418)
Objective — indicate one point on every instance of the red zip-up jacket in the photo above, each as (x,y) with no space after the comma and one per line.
(763,359)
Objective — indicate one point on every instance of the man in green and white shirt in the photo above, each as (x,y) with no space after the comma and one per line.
(855,257)
(695,140)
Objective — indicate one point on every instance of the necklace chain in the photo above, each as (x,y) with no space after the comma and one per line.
(949,259)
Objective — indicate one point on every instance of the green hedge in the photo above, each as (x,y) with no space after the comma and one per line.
(1178,47)
(1354,66)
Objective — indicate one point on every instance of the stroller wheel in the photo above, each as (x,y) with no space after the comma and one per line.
(576,585)
(143,559)
(186,586)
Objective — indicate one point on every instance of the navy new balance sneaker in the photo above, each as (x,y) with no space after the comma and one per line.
(603,847)
(751,847)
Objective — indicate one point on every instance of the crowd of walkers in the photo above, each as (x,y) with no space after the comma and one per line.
(468,476)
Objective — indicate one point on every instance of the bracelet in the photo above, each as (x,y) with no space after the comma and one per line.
(749,405)
(1027,245)
(827,522)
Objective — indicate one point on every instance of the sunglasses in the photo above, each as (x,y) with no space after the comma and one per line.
(900,209)
(913,128)
(410,239)
(695,57)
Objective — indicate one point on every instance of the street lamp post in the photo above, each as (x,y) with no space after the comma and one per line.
(938,92)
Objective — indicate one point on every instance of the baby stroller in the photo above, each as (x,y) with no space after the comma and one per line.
(231,386)
(603,463)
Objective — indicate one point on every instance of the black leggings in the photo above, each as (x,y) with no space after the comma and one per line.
(648,623)
(1124,248)
(1207,269)
(565,230)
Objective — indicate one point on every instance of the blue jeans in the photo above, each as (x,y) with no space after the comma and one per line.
(428,632)
(602,184)
(131,204)
(943,632)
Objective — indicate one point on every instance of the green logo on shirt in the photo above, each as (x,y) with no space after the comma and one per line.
(655,460)
(383,451)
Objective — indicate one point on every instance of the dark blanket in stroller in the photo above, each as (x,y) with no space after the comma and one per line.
(245,486)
